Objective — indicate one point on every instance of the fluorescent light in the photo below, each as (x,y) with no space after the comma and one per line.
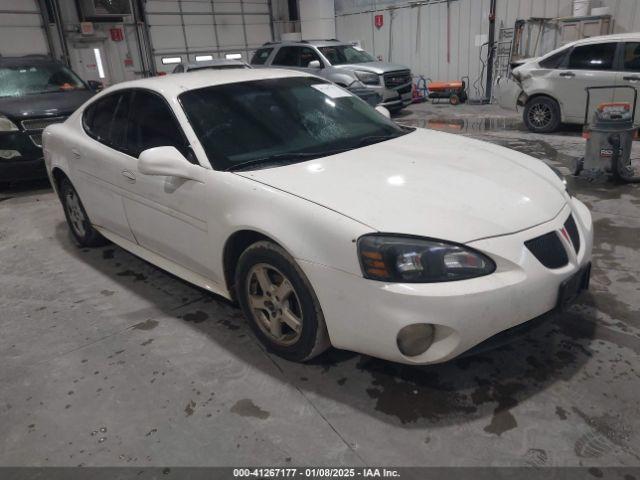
(96,53)
(169,60)
(203,58)
(233,56)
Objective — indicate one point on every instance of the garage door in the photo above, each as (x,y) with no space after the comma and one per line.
(187,30)
(21,29)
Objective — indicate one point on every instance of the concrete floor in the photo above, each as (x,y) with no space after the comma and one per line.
(106,360)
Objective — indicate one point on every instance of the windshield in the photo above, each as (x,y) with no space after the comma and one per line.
(289,119)
(34,79)
(342,54)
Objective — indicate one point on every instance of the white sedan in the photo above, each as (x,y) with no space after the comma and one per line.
(326,221)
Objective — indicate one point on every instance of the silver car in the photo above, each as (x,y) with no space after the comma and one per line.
(342,63)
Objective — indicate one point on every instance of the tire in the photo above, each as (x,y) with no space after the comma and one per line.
(454,99)
(279,303)
(542,115)
(79,224)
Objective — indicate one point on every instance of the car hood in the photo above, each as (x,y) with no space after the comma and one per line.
(374,67)
(43,105)
(428,183)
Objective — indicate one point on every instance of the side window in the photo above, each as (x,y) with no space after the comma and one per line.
(598,56)
(308,55)
(287,56)
(98,117)
(556,60)
(632,56)
(118,130)
(152,124)
(261,55)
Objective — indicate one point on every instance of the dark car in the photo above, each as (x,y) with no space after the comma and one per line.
(34,93)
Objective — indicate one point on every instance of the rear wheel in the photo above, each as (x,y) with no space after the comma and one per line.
(542,115)
(77,219)
(279,303)
(454,99)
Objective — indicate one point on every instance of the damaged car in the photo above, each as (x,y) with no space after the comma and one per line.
(327,222)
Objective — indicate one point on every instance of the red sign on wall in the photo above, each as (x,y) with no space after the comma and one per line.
(378,21)
(116,34)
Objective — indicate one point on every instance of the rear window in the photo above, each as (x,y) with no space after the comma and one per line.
(261,55)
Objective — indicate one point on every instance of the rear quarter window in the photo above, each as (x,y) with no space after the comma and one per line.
(556,60)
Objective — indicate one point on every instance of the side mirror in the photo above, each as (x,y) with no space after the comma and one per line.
(95,85)
(168,161)
(314,64)
(383,111)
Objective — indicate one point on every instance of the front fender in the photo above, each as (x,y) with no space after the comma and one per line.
(307,231)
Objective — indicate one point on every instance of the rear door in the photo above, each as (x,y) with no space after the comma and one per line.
(100,165)
(629,74)
(590,65)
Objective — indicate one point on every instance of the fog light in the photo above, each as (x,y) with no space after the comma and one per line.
(415,339)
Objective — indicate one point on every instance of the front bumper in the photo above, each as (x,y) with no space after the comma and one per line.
(365,316)
(394,98)
(20,157)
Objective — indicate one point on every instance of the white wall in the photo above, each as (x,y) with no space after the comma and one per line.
(317,19)
(21,28)
(419,33)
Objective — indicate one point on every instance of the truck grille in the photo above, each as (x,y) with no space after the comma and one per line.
(40,123)
(572,229)
(548,250)
(397,79)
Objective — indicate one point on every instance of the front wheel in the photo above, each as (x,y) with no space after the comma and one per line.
(279,303)
(542,115)
(77,219)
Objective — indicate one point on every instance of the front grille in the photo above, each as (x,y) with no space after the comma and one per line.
(548,250)
(40,123)
(397,79)
(36,139)
(404,90)
(572,229)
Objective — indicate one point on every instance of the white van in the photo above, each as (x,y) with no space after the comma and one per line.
(552,88)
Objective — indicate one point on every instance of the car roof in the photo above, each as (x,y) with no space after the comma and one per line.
(616,37)
(27,60)
(302,43)
(173,85)
(216,63)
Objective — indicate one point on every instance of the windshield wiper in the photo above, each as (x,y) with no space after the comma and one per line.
(371,139)
(281,158)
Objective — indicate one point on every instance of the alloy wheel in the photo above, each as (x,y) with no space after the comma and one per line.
(274,304)
(540,115)
(76,215)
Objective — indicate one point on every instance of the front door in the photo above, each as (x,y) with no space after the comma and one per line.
(167,215)
(590,65)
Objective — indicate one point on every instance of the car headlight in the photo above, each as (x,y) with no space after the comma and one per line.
(405,259)
(367,78)
(562,178)
(7,125)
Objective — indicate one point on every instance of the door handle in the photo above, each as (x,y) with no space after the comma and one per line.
(632,79)
(568,74)
(131,178)
(75,153)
